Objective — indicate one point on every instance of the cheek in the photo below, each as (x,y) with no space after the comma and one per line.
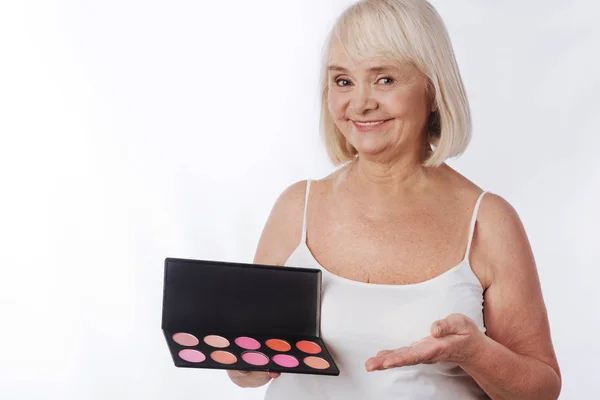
(406,105)
(336,104)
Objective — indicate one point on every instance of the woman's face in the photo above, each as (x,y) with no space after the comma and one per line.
(376,90)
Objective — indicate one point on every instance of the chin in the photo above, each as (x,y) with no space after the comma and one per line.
(367,144)
(367,150)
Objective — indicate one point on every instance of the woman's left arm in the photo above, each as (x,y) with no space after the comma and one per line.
(516,359)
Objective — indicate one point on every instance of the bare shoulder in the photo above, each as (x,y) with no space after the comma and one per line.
(283,229)
(501,233)
(498,226)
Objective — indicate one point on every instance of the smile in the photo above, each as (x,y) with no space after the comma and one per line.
(364,126)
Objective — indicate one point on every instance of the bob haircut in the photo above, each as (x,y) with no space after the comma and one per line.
(402,31)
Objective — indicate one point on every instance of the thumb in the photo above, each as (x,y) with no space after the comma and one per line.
(442,328)
(452,324)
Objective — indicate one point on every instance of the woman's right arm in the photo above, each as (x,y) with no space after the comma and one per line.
(280,236)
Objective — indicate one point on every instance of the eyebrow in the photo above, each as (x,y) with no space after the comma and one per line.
(372,69)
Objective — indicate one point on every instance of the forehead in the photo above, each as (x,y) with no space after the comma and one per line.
(341,61)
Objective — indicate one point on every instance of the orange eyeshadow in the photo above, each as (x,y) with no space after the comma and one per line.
(308,347)
(278,345)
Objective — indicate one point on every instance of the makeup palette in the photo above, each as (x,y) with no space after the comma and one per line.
(249,317)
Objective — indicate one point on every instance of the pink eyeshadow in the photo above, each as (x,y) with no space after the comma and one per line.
(185,339)
(255,358)
(192,355)
(285,361)
(247,343)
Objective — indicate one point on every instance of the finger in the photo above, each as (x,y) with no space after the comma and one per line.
(405,357)
(452,324)
(374,364)
(384,352)
(439,328)
(274,374)
(391,359)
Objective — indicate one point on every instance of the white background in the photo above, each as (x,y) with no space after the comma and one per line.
(136,130)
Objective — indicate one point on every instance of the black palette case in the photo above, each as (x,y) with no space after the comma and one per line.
(204,298)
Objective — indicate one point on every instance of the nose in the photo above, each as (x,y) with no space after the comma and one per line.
(362,100)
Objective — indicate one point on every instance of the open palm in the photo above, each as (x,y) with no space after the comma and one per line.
(454,339)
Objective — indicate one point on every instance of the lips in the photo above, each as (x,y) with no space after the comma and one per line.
(370,125)
(367,123)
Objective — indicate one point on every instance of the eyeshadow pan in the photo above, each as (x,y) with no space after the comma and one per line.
(185,339)
(316,362)
(255,358)
(308,347)
(193,356)
(285,360)
(216,341)
(247,343)
(223,357)
(278,345)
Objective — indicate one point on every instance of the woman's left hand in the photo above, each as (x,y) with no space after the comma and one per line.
(455,338)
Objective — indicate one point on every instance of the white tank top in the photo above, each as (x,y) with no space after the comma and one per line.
(359,319)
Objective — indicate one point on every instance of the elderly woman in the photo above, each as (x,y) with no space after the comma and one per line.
(430,288)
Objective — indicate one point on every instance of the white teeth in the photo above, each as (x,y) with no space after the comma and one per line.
(369,123)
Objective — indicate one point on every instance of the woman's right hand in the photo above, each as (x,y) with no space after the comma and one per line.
(251,379)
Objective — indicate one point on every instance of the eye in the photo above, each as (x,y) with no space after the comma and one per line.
(345,82)
(387,77)
(341,80)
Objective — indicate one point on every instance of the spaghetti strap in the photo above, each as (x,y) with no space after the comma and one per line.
(305,208)
(472,225)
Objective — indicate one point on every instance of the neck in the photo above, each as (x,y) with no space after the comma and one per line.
(386,180)
(381,180)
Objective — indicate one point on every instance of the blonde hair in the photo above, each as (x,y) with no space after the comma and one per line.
(403,31)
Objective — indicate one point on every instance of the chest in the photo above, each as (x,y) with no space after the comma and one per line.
(405,248)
